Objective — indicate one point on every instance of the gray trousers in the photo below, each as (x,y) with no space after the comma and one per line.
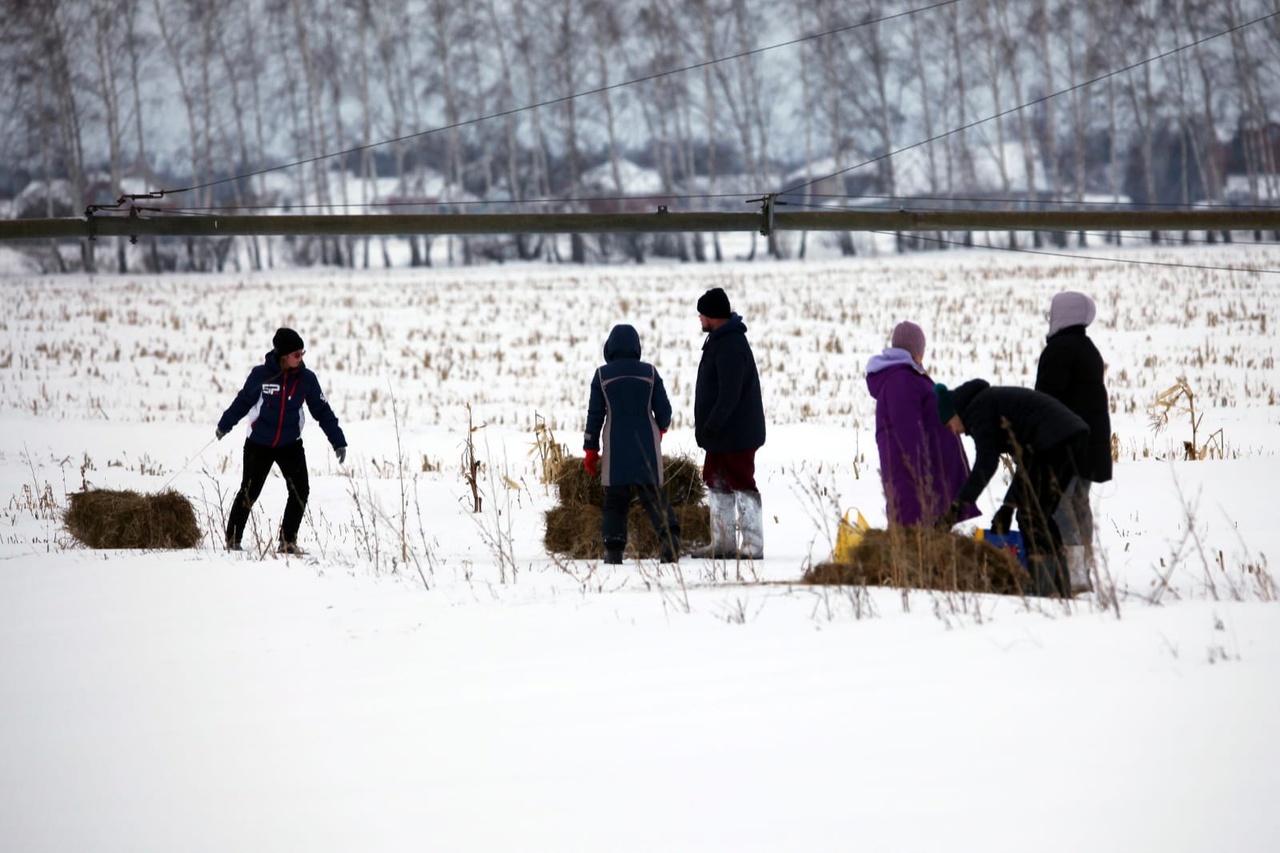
(1074,515)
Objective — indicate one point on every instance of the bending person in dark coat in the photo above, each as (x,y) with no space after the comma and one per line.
(1071,370)
(272,397)
(1045,439)
(728,423)
(627,414)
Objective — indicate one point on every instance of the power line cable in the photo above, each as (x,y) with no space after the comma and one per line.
(1075,256)
(565,98)
(1117,202)
(1033,102)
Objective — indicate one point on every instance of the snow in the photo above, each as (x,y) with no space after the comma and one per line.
(430,678)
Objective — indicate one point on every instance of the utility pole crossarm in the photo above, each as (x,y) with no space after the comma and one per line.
(125,225)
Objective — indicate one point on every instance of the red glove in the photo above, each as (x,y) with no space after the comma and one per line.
(661,433)
(592,462)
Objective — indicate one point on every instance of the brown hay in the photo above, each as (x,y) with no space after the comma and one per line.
(102,518)
(923,558)
(574,531)
(682,482)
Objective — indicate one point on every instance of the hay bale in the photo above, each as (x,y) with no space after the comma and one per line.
(102,518)
(682,482)
(923,558)
(574,531)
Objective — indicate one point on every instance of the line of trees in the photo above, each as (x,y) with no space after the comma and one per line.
(376,102)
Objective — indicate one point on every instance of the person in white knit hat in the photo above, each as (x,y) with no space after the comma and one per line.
(1072,370)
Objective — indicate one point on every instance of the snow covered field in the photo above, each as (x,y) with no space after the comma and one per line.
(430,678)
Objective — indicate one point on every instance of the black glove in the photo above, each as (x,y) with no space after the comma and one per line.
(1002,520)
(220,433)
(341,453)
(948,519)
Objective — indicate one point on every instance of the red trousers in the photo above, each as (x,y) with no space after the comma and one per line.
(730,471)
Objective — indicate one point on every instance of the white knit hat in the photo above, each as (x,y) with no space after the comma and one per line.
(1070,309)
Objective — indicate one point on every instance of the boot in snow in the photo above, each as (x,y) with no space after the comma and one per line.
(1078,568)
(724,534)
(751,517)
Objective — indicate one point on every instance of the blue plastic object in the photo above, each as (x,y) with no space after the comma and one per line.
(1011,541)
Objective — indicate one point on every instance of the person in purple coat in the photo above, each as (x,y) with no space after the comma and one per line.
(922,463)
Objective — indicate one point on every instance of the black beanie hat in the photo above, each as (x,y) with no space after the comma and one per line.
(714,304)
(286,341)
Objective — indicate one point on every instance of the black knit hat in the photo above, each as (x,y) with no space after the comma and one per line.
(714,304)
(286,341)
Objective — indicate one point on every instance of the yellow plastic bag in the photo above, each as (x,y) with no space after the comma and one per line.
(848,535)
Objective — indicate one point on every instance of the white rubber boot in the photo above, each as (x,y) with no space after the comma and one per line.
(1078,568)
(724,534)
(751,519)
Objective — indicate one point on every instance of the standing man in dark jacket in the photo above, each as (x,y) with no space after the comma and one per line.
(272,397)
(627,414)
(1045,440)
(1071,370)
(728,419)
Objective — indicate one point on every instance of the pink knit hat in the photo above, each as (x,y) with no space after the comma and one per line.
(910,337)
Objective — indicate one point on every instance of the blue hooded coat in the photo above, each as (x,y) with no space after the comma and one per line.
(627,413)
(273,398)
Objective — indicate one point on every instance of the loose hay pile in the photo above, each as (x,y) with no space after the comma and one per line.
(923,558)
(102,518)
(573,527)
(682,482)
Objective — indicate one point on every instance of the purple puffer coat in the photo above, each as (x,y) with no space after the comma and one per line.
(922,463)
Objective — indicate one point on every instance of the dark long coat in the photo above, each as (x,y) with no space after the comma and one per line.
(1071,370)
(728,409)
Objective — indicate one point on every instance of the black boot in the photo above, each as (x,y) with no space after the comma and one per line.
(670,550)
(613,553)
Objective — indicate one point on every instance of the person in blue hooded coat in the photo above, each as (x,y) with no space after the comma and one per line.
(273,397)
(922,463)
(627,414)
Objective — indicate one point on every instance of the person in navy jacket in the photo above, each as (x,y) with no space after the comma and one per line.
(272,397)
(627,414)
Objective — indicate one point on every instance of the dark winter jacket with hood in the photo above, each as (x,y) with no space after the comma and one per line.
(273,398)
(627,413)
(1005,420)
(922,463)
(1071,370)
(728,409)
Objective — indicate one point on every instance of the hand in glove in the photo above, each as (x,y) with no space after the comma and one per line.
(592,462)
(220,433)
(1002,520)
(948,519)
(341,453)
